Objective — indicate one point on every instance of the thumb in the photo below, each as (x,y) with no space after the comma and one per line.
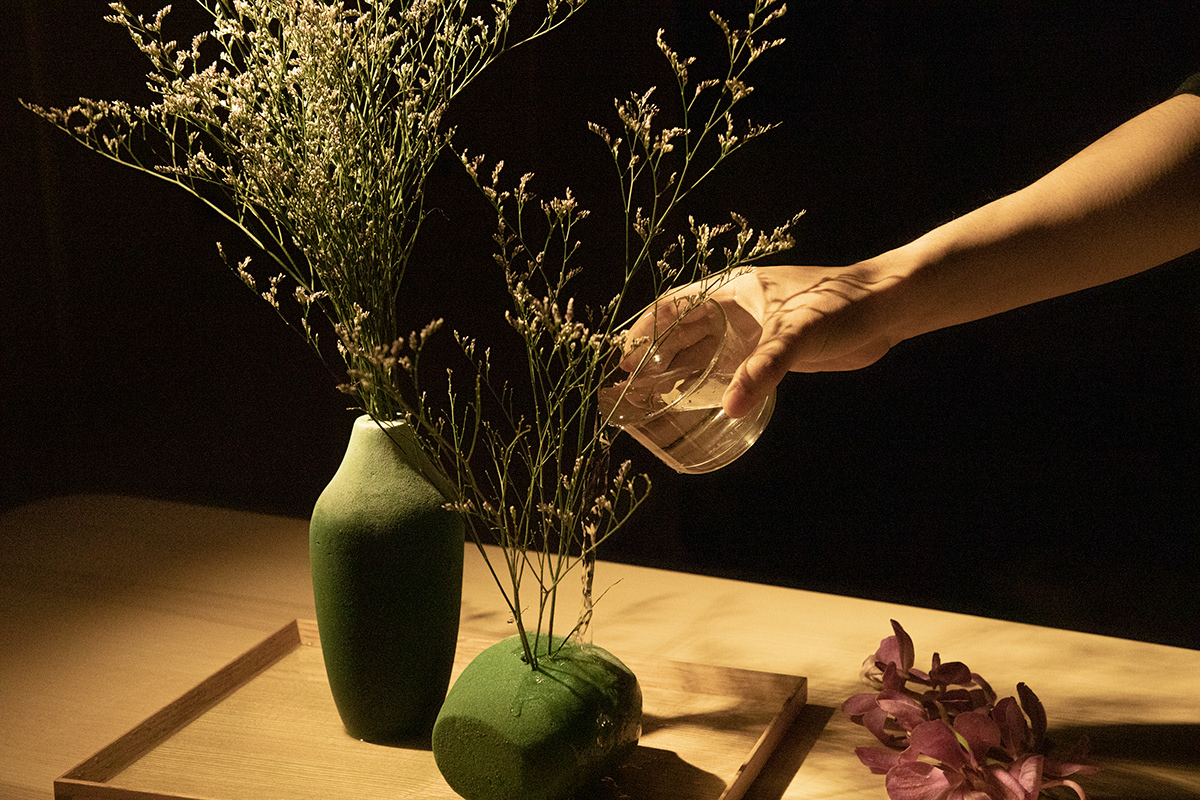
(756,378)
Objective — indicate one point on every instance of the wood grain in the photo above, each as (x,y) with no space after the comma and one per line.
(112,607)
(265,727)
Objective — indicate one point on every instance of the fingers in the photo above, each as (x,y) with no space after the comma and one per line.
(756,378)
(804,348)
(820,326)
(645,329)
(788,318)
(670,328)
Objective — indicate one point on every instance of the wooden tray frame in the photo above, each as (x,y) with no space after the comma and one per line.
(93,779)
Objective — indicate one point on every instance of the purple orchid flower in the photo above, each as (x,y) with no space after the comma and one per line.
(949,737)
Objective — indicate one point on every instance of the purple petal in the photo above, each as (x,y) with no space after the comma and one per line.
(875,721)
(1028,772)
(1058,769)
(888,652)
(980,700)
(1023,775)
(907,651)
(916,780)
(981,733)
(951,673)
(878,760)
(936,740)
(892,680)
(1075,787)
(967,793)
(1036,713)
(988,692)
(956,701)
(1014,730)
(1009,787)
(859,704)
(904,709)
(1070,762)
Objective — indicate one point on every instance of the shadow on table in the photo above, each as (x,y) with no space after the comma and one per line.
(1140,762)
(783,764)
(661,774)
(653,772)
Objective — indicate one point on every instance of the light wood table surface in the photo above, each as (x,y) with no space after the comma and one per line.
(111,607)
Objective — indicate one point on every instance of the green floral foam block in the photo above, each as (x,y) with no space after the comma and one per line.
(508,732)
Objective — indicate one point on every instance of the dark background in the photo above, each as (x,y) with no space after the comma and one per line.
(1038,466)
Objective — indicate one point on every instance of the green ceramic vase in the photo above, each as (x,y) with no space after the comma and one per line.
(387,562)
(507,732)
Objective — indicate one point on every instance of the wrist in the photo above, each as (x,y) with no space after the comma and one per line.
(896,308)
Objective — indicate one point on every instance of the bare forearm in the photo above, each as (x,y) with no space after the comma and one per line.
(1128,202)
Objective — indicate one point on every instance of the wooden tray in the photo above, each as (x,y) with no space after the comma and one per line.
(265,727)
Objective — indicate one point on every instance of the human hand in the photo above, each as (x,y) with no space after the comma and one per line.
(801,319)
(672,348)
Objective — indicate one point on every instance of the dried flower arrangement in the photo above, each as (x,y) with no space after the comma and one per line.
(545,487)
(313,125)
(948,736)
